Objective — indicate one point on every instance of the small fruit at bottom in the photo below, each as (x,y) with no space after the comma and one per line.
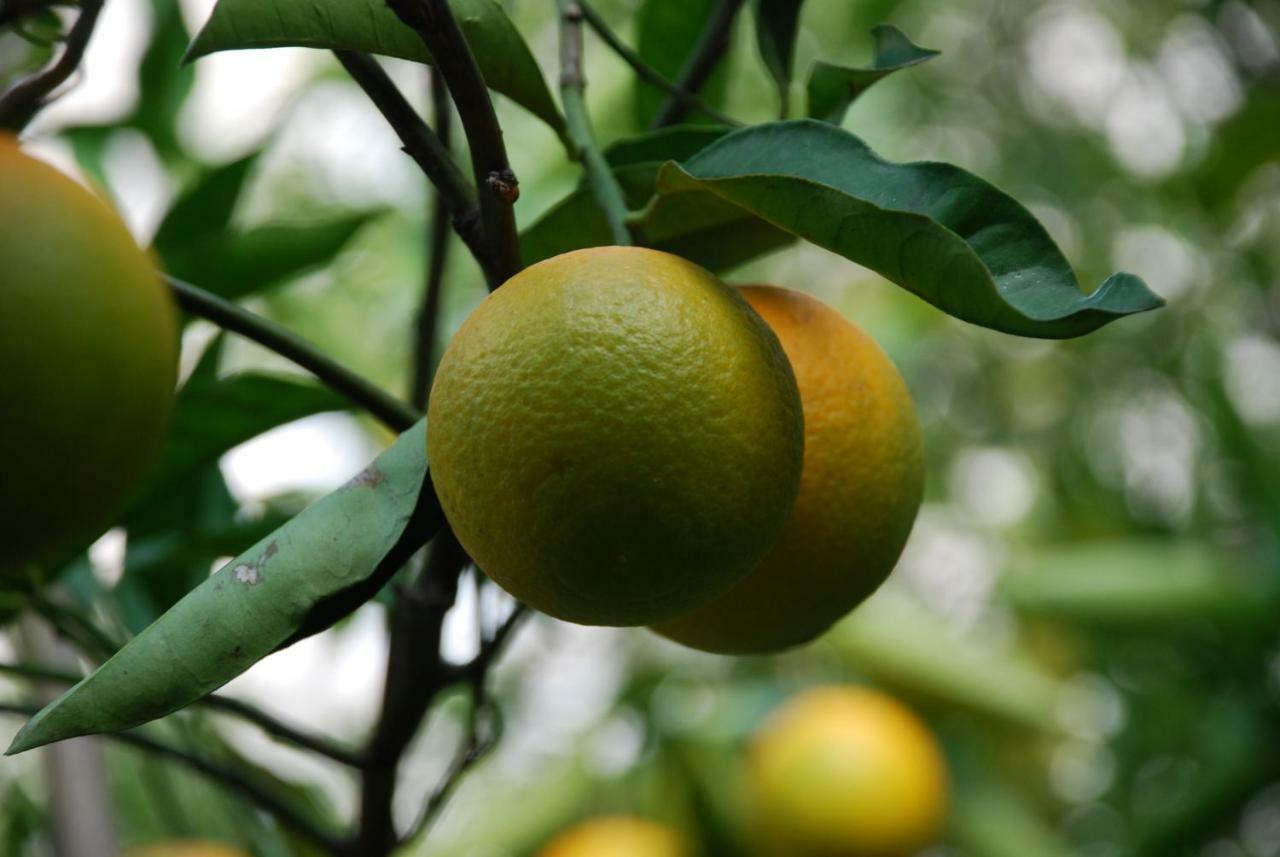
(861,489)
(88,362)
(845,771)
(615,436)
(618,837)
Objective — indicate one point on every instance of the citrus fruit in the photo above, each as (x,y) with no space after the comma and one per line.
(185,848)
(844,771)
(88,360)
(618,837)
(615,436)
(861,489)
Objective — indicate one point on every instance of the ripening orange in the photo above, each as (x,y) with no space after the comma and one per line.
(88,361)
(861,487)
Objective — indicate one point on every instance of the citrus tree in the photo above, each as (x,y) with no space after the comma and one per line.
(614,437)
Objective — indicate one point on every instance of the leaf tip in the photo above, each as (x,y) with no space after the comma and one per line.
(28,737)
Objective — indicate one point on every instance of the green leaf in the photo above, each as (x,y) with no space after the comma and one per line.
(214,415)
(505,61)
(235,265)
(1137,584)
(776,24)
(934,229)
(205,208)
(255,602)
(163,82)
(699,227)
(667,33)
(832,88)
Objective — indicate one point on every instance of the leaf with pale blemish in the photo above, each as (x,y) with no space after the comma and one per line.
(255,602)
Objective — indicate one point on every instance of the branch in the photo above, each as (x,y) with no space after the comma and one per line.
(711,47)
(604,185)
(228,778)
(235,707)
(428,149)
(435,24)
(648,73)
(27,97)
(474,746)
(415,675)
(364,394)
(438,247)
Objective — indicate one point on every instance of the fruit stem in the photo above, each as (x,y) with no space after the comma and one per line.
(363,393)
(604,185)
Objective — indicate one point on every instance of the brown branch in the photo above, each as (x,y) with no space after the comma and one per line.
(430,152)
(711,47)
(428,320)
(28,97)
(497,185)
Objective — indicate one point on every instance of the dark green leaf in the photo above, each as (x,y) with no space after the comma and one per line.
(776,23)
(213,416)
(254,603)
(504,58)
(668,32)
(205,209)
(934,229)
(700,227)
(238,264)
(832,88)
(163,82)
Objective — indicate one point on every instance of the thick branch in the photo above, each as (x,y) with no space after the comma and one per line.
(391,411)
(415,675)
(711,47)
(646,72)
(604,185)
(429,150)
(496,182)
(228,778)
(28,96)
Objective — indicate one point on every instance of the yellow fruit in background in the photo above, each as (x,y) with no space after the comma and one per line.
(88,360)
(185,848)
(862,485)
(846,772)
(619,837)
(615,436)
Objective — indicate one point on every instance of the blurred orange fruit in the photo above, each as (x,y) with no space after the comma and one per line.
(846,772)
(615,436)
(185,848)
(618,836)
(862,484)
(88,360)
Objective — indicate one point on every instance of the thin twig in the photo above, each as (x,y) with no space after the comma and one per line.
(648,73)
(473,747)
(230,779)
(429,150)
(27,97)
(711,47)
(428,320)
(604,185)
(394,413)
(496,182)
(245,711)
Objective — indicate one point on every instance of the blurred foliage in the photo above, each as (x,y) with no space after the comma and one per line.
(1089,610)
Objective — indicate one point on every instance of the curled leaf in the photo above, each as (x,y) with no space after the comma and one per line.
(936,230)
(832,88)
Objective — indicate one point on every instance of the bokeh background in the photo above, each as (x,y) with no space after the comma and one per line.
(1088,611)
